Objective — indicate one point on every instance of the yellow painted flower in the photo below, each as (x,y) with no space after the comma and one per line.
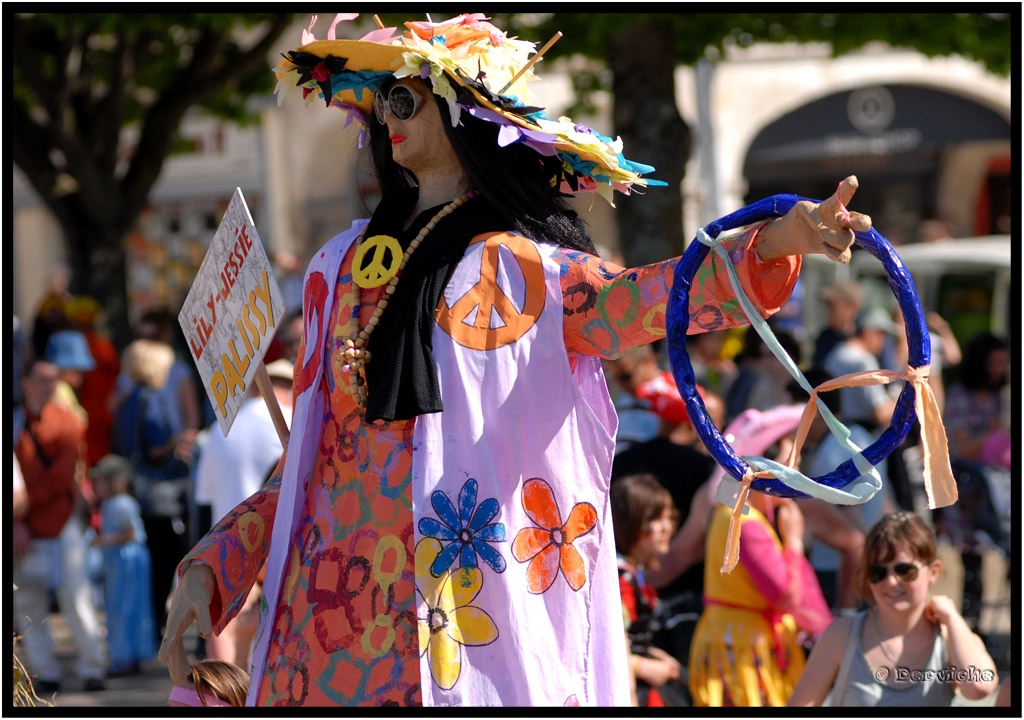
(447,621)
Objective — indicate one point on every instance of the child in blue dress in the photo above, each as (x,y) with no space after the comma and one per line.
(126,568)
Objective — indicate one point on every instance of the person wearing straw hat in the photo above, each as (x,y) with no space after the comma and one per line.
(439,531)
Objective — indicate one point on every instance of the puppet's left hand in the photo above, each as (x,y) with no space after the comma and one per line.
(825,229)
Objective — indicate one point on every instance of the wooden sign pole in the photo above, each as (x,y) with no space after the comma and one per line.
(267,391)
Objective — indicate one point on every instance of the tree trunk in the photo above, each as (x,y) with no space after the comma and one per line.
(98,266)
(653,133)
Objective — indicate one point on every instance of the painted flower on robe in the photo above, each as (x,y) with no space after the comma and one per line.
(445,617)
(466,530)
(549,546)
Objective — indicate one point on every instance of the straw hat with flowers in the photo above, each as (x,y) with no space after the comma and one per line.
(477,68)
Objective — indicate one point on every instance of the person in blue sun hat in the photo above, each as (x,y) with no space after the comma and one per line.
(69,351)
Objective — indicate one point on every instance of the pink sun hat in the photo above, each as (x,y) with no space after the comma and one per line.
(754,431)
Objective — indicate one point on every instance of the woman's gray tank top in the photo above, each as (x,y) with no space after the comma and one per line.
(864,688)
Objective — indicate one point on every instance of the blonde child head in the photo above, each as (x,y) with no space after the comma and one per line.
(148,362)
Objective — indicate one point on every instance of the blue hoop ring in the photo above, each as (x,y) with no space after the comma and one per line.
(678,320)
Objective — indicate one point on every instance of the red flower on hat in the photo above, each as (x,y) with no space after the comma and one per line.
(320,72)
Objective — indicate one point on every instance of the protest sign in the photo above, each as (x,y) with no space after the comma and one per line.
(232,312)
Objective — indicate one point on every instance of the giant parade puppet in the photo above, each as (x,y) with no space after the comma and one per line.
(438,531)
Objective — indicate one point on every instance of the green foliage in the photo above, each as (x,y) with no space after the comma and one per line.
(139,57)
(82,81)
(981,37)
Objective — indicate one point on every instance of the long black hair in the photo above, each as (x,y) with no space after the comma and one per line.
(520,184)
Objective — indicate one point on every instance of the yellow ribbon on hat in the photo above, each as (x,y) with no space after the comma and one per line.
(939,483)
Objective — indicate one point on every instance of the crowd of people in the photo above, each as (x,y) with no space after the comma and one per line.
(112,484)
(696,636)
(809,570)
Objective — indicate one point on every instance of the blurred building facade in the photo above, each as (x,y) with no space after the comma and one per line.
(928,138)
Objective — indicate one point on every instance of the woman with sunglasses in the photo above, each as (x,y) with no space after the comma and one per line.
(908,649)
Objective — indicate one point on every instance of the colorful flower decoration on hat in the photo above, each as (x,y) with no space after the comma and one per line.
(472,65)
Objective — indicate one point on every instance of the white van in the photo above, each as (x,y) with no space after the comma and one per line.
(966,280)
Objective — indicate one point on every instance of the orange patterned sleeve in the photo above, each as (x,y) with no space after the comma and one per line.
(236,548)
(609,309)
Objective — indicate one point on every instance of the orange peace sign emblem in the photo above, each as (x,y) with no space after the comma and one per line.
(385,259)
(498,320)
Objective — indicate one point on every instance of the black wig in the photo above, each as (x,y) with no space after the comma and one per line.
(519,183)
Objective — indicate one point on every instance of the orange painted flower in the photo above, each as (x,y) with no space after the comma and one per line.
(548,547)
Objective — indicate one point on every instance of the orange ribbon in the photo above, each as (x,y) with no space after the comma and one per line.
(732,540)
(939,482)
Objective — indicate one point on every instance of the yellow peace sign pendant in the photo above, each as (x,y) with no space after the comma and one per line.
(385,257)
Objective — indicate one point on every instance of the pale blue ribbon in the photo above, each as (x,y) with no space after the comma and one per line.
(860,490)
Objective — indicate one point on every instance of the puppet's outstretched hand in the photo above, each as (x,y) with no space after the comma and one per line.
(190,603)
(824,229)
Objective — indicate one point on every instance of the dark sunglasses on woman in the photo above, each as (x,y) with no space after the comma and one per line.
(878,572)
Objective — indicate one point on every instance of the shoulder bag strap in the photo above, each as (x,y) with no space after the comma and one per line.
(73,492)
(843,676)
(47,462)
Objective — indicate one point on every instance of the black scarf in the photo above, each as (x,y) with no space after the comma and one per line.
(401,378)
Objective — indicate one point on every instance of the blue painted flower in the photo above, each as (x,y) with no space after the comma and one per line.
(466,532)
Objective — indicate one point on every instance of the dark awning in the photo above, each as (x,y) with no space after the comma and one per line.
(871,126)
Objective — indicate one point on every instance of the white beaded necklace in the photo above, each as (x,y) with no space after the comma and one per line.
(355,355)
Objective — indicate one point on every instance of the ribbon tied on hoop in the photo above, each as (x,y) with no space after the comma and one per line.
(940,484)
